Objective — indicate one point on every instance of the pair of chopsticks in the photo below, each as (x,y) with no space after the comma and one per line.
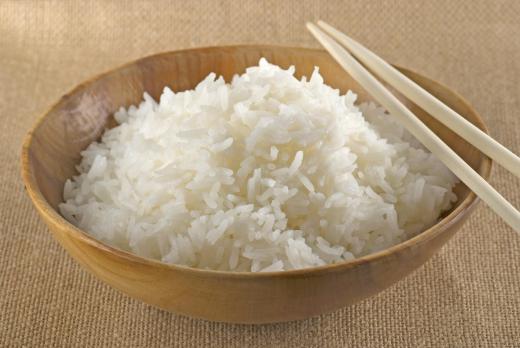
(437,109)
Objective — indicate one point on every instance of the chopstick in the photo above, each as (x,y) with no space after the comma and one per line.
(428,102)
(426,136)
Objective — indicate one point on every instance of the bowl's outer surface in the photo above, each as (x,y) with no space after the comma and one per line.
(52,149)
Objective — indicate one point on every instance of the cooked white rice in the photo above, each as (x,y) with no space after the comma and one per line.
(267,173)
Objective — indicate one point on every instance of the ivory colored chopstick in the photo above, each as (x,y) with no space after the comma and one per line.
(426,136)
(428,102)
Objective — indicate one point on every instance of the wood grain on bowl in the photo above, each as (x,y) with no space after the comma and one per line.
(52,149)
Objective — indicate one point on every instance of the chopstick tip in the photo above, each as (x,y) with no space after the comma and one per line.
(312,28)
(326,26)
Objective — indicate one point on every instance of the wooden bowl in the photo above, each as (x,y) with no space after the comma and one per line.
(52,149)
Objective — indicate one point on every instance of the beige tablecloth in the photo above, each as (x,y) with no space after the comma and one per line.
(468,295)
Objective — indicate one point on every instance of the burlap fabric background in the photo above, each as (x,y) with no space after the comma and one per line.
(466,296)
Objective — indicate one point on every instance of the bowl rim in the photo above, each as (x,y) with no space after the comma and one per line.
(48,213)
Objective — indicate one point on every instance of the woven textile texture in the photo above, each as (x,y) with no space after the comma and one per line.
(468,295)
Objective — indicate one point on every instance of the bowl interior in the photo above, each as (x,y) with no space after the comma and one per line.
(81,116)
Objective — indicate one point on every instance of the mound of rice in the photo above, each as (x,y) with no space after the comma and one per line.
(267,173)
